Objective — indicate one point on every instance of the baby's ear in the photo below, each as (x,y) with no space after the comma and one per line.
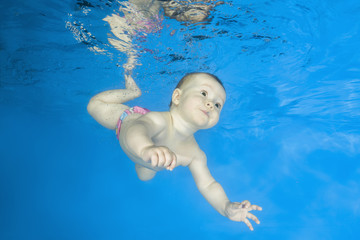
(176,96)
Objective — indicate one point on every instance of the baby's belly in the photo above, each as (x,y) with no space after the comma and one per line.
(160,141)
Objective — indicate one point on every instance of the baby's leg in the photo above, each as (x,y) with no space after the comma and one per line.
(144,174)
(106,107)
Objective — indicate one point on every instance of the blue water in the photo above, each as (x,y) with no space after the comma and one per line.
(288,139)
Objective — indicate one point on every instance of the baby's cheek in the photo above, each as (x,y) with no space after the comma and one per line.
(215,119)
(192,103)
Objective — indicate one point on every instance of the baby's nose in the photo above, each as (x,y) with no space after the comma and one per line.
(209,105)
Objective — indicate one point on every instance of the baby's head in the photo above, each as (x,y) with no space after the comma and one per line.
(199,97)
(193,75)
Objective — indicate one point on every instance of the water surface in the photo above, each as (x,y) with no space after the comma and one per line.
(288,139)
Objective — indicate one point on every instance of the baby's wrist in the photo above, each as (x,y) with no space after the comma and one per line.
(227,208)
(144,153)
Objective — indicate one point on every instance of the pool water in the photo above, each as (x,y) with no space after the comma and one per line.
(288,138)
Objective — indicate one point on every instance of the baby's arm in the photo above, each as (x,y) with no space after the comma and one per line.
(215,195)
(137,139)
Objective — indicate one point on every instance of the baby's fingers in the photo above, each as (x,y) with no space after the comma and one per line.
(168,159)
(173,163)
(162,159)
(245,204)
(253,217)
(255,207)
(247,222)
(154,160)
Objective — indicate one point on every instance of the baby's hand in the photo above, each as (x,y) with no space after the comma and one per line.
(159,157)
(239,212)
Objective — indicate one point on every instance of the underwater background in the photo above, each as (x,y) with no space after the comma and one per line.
(288,138)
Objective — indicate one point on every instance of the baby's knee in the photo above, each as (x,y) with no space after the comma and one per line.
(143,173)
(93,106)
(137,92)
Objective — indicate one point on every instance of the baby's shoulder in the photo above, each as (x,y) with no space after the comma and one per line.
(196,153)
(198,161)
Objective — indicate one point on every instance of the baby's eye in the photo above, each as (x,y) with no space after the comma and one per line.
(218,105)
(204,93)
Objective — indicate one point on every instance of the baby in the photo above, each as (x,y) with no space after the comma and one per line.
(155,141)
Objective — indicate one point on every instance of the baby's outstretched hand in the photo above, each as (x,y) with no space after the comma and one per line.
(239,212)
(159,157)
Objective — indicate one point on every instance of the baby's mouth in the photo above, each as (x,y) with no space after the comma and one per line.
(205,112)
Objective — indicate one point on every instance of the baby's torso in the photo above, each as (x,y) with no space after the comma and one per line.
(185,150)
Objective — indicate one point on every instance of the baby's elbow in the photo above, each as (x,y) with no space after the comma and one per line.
(204,188)
(143,173)
(145,178)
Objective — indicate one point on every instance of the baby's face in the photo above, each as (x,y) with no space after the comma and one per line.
(201,101)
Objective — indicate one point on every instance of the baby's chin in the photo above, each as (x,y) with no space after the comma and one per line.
(207,124)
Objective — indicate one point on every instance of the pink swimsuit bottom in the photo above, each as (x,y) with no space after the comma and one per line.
(126,113)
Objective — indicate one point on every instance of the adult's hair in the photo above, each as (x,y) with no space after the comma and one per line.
(190,76)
